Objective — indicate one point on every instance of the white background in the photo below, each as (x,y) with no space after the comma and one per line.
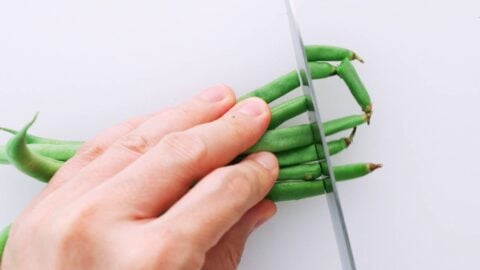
(86,65)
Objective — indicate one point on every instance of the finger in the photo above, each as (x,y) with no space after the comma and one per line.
(89,151)
(94,147)
(205,107)
(162,176)
(217,202)
(227,253)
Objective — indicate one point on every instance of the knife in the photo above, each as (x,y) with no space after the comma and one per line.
(333,198)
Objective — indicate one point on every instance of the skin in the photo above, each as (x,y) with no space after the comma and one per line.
(125,201)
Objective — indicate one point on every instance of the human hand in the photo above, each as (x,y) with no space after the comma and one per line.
(126,200)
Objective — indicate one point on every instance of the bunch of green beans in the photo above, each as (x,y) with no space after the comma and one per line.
(299,153)
(295,147)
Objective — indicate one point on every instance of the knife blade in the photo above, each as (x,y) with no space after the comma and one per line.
(332,194)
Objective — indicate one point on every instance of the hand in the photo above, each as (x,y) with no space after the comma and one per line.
(154,192)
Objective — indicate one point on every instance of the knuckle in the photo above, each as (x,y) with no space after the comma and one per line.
(73,228)
(134,143)
(91,150)
(188,148)
(241,182)
(170,241)
(130,124)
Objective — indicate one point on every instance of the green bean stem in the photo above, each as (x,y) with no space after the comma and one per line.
(329,53)
(347,72)
(32,139)
(289,82)
(54,151)
(3,239)
(309,153)
(287,110)
(28,162)
(315,170)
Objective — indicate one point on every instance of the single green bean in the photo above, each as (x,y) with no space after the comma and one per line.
(347,72)
(3,240)
(296,190)
(32,139)
(350,171)
(287,110)
(60,152)
(315,170)
(283,139)
(309,153)
(3,156)
(329,53)
(289,82)
(344,123)
(28,162)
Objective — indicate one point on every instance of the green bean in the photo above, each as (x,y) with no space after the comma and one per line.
(350,171)
(347,72)
(289,82)
(309,153)
(54,151)
(329,53)
(3,156)
(315,170)
(287,110)
(340,124)
(283,139)
(28,162)
(32,139)
(3,239)
(296,190)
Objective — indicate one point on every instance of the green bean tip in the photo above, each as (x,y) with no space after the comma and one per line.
(358,58)
(373,166)
(368,113)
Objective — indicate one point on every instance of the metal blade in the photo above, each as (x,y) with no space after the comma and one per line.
(336,213)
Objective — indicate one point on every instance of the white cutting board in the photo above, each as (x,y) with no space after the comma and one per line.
(87,65)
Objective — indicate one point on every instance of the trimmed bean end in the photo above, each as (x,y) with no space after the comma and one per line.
(358,58)
(373,166)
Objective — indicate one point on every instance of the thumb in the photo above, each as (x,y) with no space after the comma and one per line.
(226,254)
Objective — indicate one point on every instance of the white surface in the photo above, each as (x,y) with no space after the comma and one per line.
(86,65)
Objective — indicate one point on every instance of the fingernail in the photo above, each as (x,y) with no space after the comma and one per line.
(267,160)
(252,107)
(214,94)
